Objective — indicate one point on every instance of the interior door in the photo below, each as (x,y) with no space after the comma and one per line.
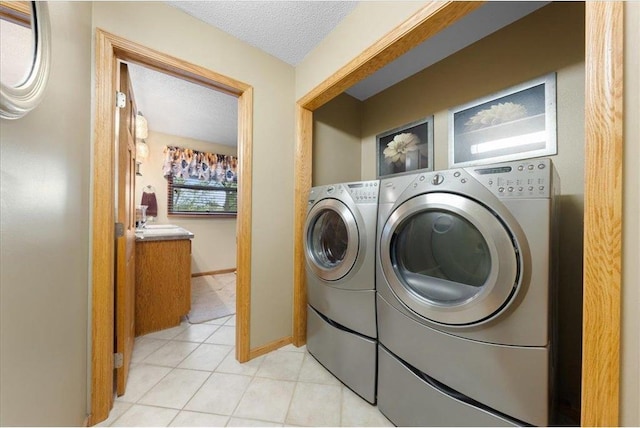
(125,244)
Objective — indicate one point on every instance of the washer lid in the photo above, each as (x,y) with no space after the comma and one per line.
(449,259)
(331,239)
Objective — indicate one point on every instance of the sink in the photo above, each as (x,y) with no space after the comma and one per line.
(162,231)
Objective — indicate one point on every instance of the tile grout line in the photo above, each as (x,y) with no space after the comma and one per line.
(200,387)
(172,369)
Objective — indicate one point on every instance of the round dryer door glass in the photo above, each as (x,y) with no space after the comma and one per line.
(331,240)
(449,259)
(442,245)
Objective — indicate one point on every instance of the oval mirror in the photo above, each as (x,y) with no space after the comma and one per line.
(25,56)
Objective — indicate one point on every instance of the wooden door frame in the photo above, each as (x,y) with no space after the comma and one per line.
(109,50)
(602,194)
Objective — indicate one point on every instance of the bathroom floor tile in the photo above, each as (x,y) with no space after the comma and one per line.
(196,419)
(171,354)
(219,321)
(179,382)
(281,365)
(206,357)
(146,416)
(220,394)
(175,389)
(266,399)
(315,405)
(224,335)
(197,333)
(144,346)
(169,333)
(142,377)
(240,422)
(231,322)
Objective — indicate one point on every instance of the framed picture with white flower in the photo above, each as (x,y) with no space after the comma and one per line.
(517,123)
(406,149)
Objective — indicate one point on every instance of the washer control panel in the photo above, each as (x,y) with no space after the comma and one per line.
(518,179)
(363,192)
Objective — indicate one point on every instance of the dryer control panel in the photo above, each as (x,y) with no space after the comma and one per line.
(531,178)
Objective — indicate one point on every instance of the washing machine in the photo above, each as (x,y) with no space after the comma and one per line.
(465,282)
(340,266)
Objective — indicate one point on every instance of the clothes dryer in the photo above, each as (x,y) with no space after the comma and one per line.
(465,273)
(340,266)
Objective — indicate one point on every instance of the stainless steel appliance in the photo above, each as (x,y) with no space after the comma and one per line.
(465,272)
(340,257)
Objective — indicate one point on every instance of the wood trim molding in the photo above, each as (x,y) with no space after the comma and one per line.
(429,20)
(109,49)
(18,12)
(303,165)
(243,225)
(604,39)
(272,346)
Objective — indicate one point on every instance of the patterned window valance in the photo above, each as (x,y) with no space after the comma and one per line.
(207,167)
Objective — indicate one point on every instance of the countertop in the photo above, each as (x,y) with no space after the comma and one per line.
(162,232)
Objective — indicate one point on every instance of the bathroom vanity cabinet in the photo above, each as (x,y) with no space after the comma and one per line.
(163,282)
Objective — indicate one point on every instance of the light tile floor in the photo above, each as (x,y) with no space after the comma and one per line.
(188,376)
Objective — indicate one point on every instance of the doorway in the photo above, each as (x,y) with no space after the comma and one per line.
(109,51)
(187,175)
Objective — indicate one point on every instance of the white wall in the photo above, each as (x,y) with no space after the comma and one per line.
(166,29)
(213,247)
(44,250)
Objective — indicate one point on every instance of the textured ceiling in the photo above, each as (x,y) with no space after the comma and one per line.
(289,30)
(177,107)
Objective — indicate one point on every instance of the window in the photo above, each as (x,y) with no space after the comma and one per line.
(192,196)
(200,183)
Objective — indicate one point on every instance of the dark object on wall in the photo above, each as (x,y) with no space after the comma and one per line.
(149,199)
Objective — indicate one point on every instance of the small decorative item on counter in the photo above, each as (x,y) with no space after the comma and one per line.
(141,216)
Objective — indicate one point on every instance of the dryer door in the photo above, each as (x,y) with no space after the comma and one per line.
(449,259)
(331,239)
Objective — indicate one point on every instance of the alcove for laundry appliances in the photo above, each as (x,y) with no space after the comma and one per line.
(323,103)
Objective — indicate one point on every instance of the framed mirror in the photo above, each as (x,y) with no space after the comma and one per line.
(25,48)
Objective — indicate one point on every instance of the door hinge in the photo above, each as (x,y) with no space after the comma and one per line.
(121,99)
(118,360)
(119,230)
